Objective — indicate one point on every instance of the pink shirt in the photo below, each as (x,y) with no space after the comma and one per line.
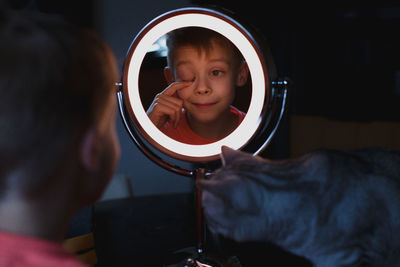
(183,133)
(23,251)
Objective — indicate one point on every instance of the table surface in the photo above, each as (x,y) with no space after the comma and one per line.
(151,230)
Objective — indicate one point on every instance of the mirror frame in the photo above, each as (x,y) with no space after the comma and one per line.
(254,124)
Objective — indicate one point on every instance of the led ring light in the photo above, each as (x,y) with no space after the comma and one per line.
(240,37)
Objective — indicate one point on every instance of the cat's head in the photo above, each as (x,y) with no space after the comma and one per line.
(229,155)
(240,161)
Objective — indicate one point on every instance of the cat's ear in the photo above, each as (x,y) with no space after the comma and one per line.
(228,155)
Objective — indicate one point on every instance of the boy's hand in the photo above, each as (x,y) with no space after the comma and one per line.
(167,105)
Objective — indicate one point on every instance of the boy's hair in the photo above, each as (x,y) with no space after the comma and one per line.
(54,82)
(200,38)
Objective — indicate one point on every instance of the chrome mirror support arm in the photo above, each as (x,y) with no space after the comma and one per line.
(279,99)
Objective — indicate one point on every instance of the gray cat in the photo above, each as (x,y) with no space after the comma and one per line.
(335,208)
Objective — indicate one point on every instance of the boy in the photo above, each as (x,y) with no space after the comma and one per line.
(58,142)
(204,69)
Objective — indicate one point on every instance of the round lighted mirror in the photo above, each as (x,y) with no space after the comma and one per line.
(257,126)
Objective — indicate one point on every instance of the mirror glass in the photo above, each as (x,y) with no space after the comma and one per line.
(201,75)
(144,77)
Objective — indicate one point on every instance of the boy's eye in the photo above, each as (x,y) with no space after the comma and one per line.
(216,72)
(189,79)
(185,77)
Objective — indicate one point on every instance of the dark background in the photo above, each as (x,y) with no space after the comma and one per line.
(343,61)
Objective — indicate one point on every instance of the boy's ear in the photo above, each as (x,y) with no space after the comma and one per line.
(90,150)
(242,74)
(169,76)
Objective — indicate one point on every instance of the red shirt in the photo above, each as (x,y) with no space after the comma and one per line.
(24,251)
(183,133)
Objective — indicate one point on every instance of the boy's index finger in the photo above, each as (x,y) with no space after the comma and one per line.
(175,86)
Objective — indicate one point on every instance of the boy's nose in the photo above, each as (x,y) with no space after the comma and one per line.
(202,88)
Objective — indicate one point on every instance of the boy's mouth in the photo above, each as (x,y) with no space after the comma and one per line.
(204,105)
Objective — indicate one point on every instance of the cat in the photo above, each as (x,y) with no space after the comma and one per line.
(334,208)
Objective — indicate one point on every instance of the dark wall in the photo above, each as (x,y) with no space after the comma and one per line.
(78,12)
(344,60)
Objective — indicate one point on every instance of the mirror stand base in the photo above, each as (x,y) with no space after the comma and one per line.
(190,258)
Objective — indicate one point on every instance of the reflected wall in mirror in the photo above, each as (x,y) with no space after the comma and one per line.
(195,85)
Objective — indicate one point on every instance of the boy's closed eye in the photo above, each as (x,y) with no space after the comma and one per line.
(185,76)
(186,79)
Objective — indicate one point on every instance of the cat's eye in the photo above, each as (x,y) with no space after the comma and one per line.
(264,109)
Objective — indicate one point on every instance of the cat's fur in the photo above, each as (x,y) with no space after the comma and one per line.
(335,208)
